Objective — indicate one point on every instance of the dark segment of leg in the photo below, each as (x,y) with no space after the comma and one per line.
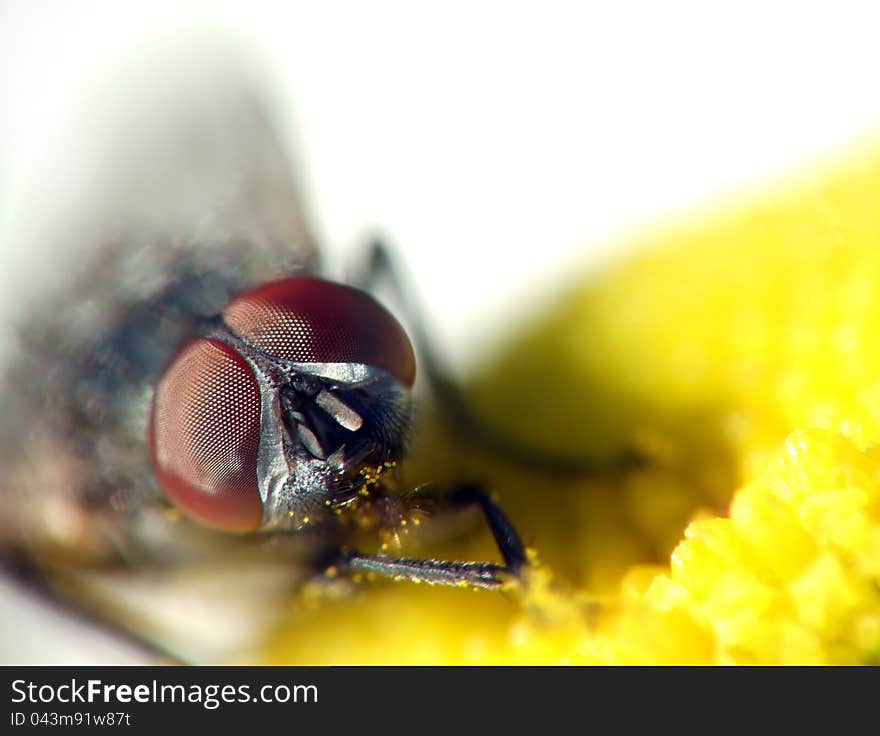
(508,541)
(486,575)
(434,572)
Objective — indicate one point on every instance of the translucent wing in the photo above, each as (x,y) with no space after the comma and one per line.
(191,199)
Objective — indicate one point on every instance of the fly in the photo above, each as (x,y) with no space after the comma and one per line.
(287,410)
(194,367)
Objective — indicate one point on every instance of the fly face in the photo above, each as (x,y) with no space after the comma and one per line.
(269,419)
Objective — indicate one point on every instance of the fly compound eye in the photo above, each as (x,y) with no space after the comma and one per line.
(204,436)
(309,320)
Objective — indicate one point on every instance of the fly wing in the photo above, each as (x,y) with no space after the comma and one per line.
(190,198)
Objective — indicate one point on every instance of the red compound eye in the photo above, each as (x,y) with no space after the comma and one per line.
(309,320)
(204,434)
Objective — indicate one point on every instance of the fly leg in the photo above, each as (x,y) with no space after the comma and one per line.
(487,575)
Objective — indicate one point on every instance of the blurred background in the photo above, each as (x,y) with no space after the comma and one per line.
(495,143)
(504,148)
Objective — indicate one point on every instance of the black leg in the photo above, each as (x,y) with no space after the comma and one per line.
(508,541)
(451,403)
(486,575)
(433,572)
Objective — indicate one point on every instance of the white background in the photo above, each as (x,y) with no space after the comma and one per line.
(501,145)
